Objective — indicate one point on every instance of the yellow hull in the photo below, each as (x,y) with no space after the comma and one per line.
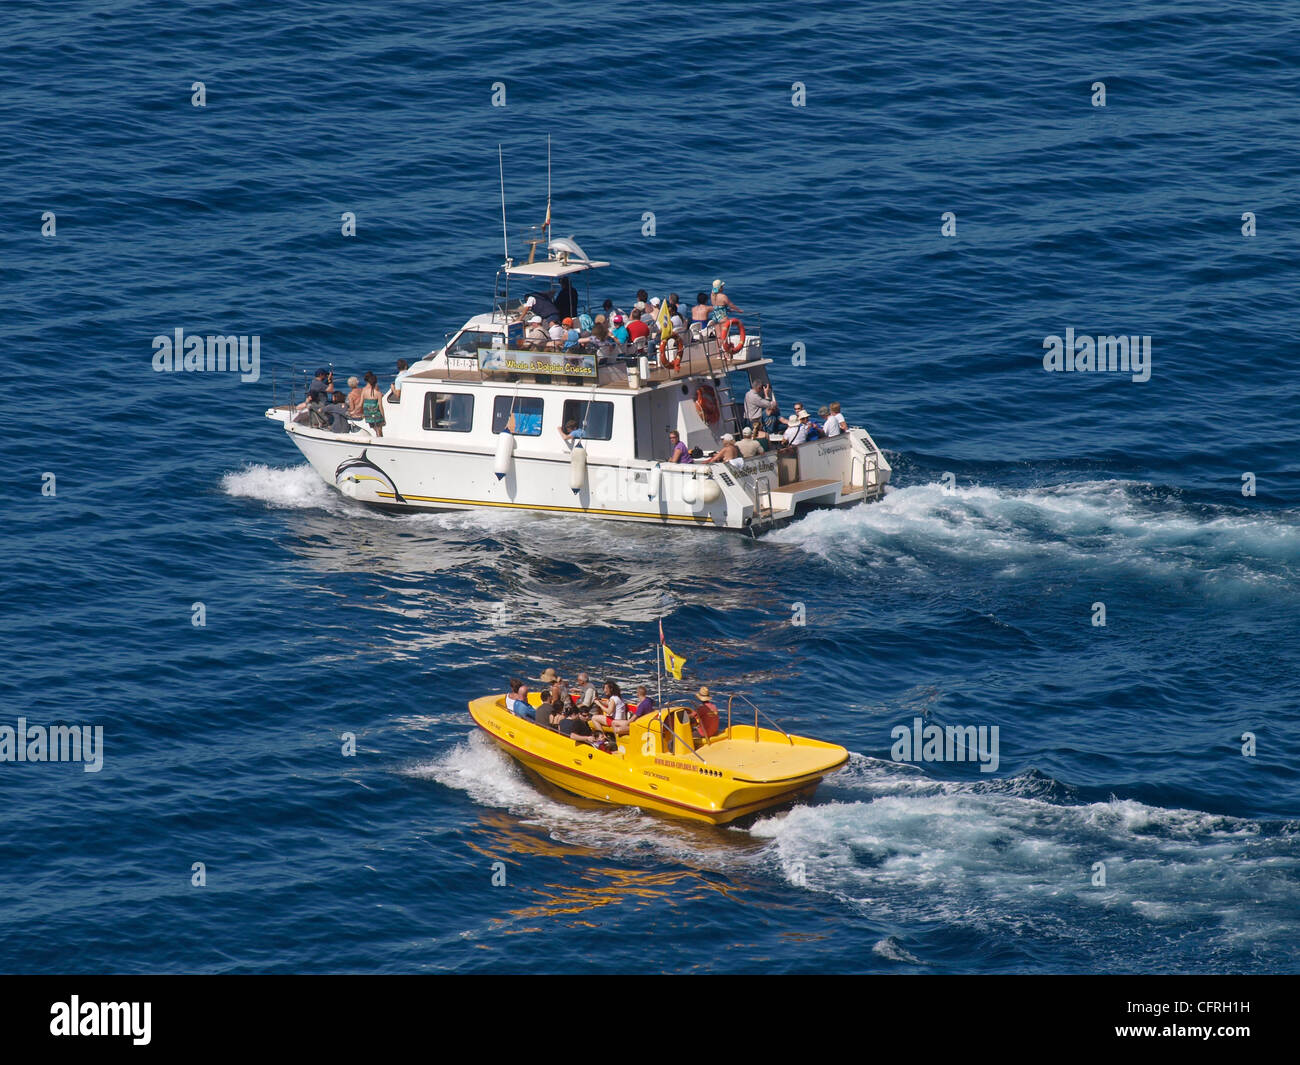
(742,771)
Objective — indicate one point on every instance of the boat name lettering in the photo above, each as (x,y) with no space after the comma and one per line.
(829,449)
(657,776)
(573,365)
(675,765)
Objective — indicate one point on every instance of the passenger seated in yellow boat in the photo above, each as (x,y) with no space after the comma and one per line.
(614,713)
(705,716)
(517,700)
(575,722)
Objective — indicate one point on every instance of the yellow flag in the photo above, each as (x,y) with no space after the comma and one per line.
(664,320)
(673,663)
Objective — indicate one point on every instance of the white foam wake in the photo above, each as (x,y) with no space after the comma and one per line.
(1088,523)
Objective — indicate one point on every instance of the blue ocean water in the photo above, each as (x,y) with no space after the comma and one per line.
(964,600)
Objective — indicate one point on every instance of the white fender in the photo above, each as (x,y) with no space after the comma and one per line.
(656,482)
(505,454)
(577,468)
(709,491)
(690,495)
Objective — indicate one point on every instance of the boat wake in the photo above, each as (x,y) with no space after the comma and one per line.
(1003,858)
(1091,525)
(999,858)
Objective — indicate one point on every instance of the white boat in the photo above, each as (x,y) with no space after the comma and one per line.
(478,418)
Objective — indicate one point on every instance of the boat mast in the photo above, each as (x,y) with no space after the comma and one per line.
(505,237)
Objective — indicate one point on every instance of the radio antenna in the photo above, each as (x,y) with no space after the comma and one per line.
(505,237)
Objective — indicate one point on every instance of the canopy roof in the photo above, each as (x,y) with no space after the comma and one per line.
(553,267)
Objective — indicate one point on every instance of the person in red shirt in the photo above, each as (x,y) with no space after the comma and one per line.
(705,715)
(636,328)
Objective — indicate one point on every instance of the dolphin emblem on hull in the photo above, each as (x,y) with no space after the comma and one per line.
(362,469)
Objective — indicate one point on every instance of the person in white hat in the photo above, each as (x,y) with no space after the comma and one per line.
(798,431)
(723,308)
(728,452)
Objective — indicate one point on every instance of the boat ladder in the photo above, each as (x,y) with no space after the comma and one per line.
(762,501)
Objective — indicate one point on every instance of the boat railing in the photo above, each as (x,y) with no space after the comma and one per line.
(757,713)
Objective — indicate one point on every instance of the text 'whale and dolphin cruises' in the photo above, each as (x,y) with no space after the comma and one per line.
(542,405)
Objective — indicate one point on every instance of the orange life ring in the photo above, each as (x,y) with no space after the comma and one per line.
(664,360)
(724,336)
(706,403)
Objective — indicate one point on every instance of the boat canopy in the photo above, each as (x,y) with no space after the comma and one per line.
(553,268)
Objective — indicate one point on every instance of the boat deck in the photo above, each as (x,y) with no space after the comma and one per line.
(768,761)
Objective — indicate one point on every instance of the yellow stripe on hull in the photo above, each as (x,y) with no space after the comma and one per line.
(704,519)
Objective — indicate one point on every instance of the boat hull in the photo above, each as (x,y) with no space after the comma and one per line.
(401,476)
(674,785)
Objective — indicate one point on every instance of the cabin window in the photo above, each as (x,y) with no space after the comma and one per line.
(527,411)
(595,418)
(467,344)
(449,412)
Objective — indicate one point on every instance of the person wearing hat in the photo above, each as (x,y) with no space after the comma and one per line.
(728,452)
(705,715)
(748,447)
(797,433)
(723,308)
(540,304)
(619,332)
(535,335)
(557,684)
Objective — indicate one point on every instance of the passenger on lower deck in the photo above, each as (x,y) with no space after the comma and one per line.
(517,700)
(748,447)
(705,716)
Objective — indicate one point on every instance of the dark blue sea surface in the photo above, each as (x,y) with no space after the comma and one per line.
(966,597)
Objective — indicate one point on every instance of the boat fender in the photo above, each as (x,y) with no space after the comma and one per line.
(656,481)
(724,336)
(709,491)
(505,454)
(577,468)
(690,495)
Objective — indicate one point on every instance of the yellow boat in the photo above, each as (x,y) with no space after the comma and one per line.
(659,766)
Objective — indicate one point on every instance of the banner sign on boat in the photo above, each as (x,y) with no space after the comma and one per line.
(507,360)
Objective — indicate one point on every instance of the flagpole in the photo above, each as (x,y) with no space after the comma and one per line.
(659,664)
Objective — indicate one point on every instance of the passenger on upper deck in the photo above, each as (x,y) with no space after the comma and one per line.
(681,453)
(620,332)
(566,299)
(700,312)
(540,304)
(535,335)
(637,328)
(723,308)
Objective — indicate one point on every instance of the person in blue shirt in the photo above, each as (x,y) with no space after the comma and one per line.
(571,433)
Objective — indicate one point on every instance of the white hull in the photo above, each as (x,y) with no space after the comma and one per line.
(408,475)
